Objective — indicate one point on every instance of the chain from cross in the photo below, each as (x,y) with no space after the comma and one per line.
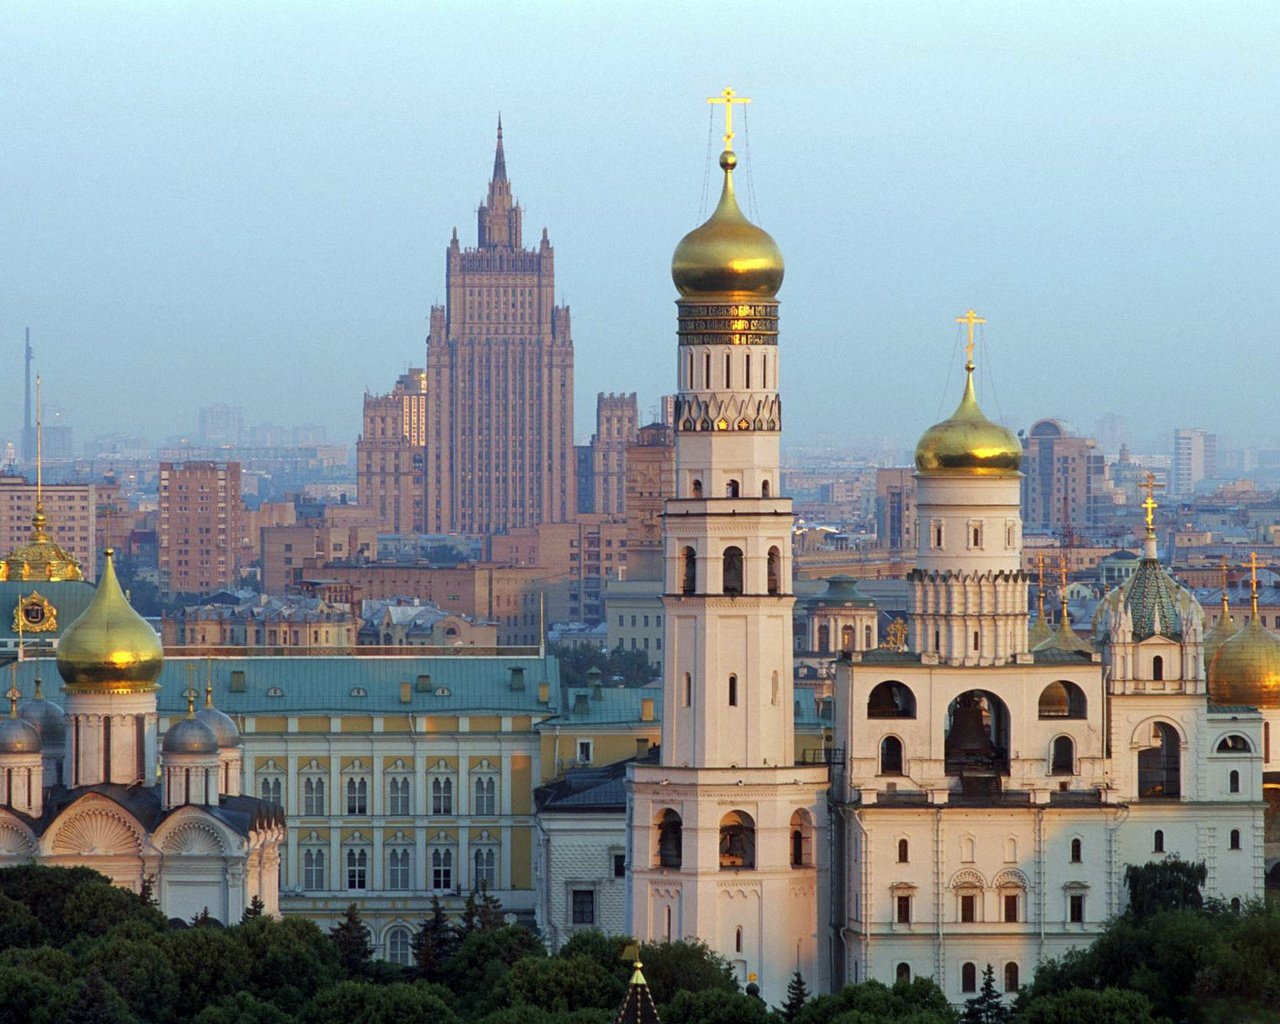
(1150,505)
(972,319)
(728,98)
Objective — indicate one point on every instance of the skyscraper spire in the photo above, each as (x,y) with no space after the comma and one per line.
(499,158)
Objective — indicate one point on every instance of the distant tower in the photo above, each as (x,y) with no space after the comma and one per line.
(726,839)
(499,451)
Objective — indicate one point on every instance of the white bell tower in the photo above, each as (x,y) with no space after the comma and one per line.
(726,829)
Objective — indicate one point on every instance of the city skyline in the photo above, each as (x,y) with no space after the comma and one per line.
(293,202)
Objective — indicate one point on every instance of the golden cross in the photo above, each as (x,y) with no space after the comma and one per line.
(13,693)
(971,318)
(1253,583)
(1150,504)
(728,98)
(190,694)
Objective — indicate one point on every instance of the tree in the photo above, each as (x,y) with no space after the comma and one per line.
(289,961)
(482,960)
(147,892)
(560,984)
(256,908)
(918,1001)
(987,1007)
(242,1008)
(209,964)
(1169,884)
(689,965)
(1110,1006)
(357,1002)
(351,939)
(434,942)
(605,950)
(797,996)
(96,1002)
(714,1006)
(138,970)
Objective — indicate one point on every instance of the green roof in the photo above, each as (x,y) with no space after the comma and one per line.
(69,597)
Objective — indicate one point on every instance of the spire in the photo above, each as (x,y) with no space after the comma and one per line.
(1149,506)
(1253,586)
(637,1005)
(499,158)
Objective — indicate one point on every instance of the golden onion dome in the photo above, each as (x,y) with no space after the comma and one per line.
(1246,668)
(969,443)
(110,648)
(728,255)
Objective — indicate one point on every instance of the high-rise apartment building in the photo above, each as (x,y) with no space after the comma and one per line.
(1065,486)
(221,425)
(390,454)
(895,508)
(499,451)
(651,480)
(617,417)
(70,520)
(201,526)
(1195,458)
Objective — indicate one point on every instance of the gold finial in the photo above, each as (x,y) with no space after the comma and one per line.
(1062,576)
(208,683)
(728,98)
(190,694)
(1150,504)
(1253,584)
(13,693)
(971,318)
(1226,605)
(38,692)
(1040,585)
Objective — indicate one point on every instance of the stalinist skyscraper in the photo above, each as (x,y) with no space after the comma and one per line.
(500,381)
(726,830)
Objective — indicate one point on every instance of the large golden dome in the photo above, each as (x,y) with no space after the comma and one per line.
(110,648)
(1246,668)
(968,442)
(728,255)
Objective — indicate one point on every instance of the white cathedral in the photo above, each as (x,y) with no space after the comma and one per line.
(986,791)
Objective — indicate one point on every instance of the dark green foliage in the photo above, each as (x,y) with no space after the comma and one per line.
(209,964)
(289,960)
(139,971)
(241,1008)
(688,966)
(433,943)
(476,970)
(576,662)
(1169,884)
(797,996)
(256,908)
(604,950)
(18,925)
(714,1006)
(351,940)
(987,1007)
(70,903)
(1083,1006)
(29,997)
(354,1002)
(96,1002)
(918,1001)
(560,984)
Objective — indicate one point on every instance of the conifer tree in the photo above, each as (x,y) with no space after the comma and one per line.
(434,942)
(256,908)
(797,996)
(987,1007)
(355,950)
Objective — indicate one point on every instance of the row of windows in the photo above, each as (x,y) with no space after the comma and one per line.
(732,572)
(737,840)
(400,867)
(1062,758)
(399,795)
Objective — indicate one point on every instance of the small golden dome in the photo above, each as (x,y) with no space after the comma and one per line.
(1246,668)
(728,255)
(41,558)
(110,647)
(968,442)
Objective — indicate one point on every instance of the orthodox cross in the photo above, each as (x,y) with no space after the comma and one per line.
(190,694)
(1253,583)
(1150,505)
(13,693)
(1040,586)
(971,318)
(1226,606)
(1062,575)
(728,98)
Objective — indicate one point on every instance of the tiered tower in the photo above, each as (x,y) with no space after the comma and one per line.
(726,830)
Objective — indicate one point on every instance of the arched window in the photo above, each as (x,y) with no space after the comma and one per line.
(774,571)
(313,870)
(271,790)
(1233,781)
(1076,851)
(484,873)
(1235,904)
(1063,761)
(1235,839)
(902,973)
(801,839)
(670,831)
(731,489)
(1160,765)
(737,841)
(313,797)
(733,691)
(891,756)
(1157,841)
(891,699)
(969,977)
(846,639)
(1011,977)
(824,638)
(764,488)
(732,570)
(1157,667)
(1234,744)
(976,639)
(398,946)
(485,796)
(1063,699)
(441,868)
(737,940)
(689,575)
(904,850)
(399,868)
(697,488)
(687,693)
(442,795)
(357,796)
(358,868)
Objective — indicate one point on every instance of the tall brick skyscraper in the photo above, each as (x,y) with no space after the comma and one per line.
(390,453)
(500,381)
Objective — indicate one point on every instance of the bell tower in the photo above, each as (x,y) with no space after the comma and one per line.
(725,829)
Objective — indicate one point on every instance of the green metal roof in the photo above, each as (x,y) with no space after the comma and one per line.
(69,597)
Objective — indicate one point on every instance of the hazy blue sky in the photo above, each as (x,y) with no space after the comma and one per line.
(250,202)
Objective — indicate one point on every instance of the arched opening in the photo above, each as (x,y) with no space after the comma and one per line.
(733,691)
(1011,977)
(670,839)
(824,638)
(687,696)
(1157,667)
(737,940)
(1160,765)
(891,756)
(731,489)
(846,639)
(891,699)
(774,571)
(866,638)
(689,572)
(1063,699)
(969,977)
(1234,744)
(1235,904)
(904,851)
(764,488)
(1157,841)
(1233,782)
(977,738)
(737,841)
(1077,850)
(902,973)
(697,488)
(1235,839)
(801,839)
(732,570)
(1063,760)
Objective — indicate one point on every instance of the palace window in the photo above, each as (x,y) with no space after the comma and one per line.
(441,868)
(313,870)
(357,868)
(400,868)
(313,796)
(485,788)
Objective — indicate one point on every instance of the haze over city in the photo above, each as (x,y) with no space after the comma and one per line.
(250,203)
